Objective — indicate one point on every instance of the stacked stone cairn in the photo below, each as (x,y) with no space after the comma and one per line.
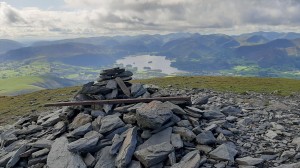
(156,134)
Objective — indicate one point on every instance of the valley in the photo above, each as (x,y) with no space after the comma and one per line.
(259,54)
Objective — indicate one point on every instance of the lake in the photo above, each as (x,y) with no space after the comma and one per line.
(149,62)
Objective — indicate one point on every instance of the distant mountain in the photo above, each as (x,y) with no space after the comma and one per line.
(255,39)
(275,53)
(6,45)
(271,35)
(195,53)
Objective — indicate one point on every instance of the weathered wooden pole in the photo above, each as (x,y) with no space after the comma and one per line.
(119,101)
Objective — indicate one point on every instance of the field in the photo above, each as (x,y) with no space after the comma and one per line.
(13,86)
(13,106)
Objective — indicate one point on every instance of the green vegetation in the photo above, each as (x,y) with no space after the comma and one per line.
(279,86)
(13,106)
(20,84)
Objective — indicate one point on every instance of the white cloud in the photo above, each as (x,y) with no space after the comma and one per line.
(106,17)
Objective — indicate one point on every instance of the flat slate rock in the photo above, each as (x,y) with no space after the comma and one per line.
(185,133)
(158,138)
(249,161)
(176,141)
(153,115)
(84,144)
(80,131)
(61,157)
(104,159)
(16,156)
(80,120)
(224,152)
(154,154)
(127,149)
(190,160)
(212,115)
(110,123)
(206,138)
(137,90)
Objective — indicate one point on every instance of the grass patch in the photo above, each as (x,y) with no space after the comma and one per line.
(20,84)
(12,107)
(280,86)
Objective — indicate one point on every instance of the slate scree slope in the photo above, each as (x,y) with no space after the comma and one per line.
(216,130)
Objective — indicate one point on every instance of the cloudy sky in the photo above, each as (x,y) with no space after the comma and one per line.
(81,18)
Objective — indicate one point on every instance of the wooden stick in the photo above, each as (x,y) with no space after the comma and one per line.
(119,101)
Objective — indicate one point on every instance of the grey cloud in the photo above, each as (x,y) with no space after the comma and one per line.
(9,15)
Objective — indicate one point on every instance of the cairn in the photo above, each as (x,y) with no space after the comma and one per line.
(210,132)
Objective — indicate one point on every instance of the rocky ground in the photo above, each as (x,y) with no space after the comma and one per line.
(216,130)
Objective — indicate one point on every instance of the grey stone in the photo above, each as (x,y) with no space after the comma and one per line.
(213,115)
(185,133)
(111,84)
(40,153)
(16,156)
(135,164)
(8,137)
(155,154)
(221,138)
(172,158)
(80,120)
(107,108)
(34,161)
(224,152)
(206,138)
(129,118)
(153,115)
(59,128)
(158,138)
(184,123)
(231,110)
(287,154)
(110,123)
(231,118)
(60,157)
(190,160)
(176,141)
(124,74)
(175,108)
(51,121)
(42,143)
(89,160)
(137,90)
(117,131)
(249,161)
(4,159)
(200,100)
(211,127)
(84,144)
(116,144)
(204,148)
(104,159)
(245,121)
(146,134)
(112,95)
(127,149)
(271,134)
(30,130)
(97,113)
(292,165)
(82,130)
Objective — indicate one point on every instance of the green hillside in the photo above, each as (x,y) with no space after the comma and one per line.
(13,106)
(26,84)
